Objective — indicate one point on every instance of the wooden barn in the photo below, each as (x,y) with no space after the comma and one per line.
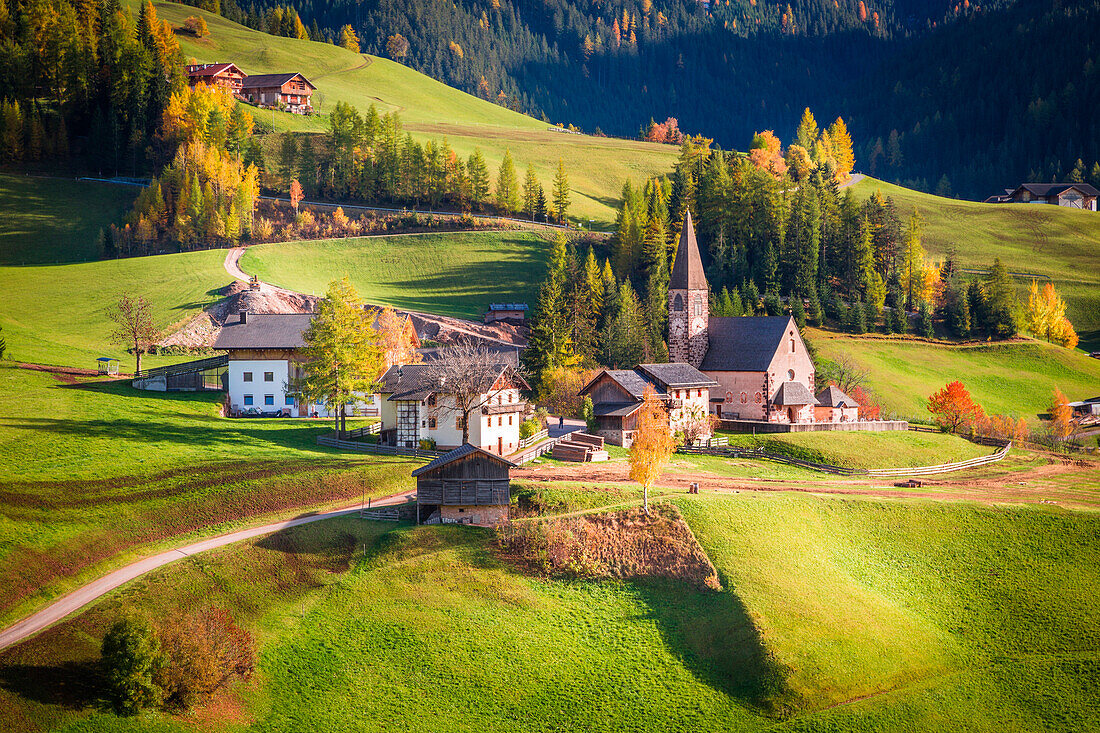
(466,486)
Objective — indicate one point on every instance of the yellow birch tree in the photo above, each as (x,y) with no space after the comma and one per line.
(653,443)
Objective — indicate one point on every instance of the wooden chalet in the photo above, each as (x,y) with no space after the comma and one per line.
(290,91)
(224,74)
(466,486)
(1069,195)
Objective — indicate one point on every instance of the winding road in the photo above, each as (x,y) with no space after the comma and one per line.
(96,589)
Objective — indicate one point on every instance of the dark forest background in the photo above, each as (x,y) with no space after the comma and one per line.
(954,97)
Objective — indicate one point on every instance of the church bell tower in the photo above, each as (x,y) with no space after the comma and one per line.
(688,304)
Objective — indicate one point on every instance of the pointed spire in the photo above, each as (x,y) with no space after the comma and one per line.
(687,269)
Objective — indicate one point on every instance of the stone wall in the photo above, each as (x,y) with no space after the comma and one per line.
(750,426)
(483,516)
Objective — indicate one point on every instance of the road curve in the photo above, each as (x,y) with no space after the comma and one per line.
(96,589)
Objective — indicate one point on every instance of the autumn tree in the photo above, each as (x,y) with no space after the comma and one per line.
(765,153)
(296,195)
(806,135)
(1045,316)
(397,46)
(196,26)
(348,39)
(343,356)
(953,408)
(840,143)
(397,345)
(203,651)
(561,192)
(653,443)
(134,326)
(1060,423)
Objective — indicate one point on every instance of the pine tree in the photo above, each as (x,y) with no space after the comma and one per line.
(479,179)
(507,188)
(531,192)
(806,134)
(550,345)
(623,338)
(561,192)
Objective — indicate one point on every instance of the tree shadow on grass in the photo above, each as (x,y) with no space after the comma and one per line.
(713,636)
(70,685)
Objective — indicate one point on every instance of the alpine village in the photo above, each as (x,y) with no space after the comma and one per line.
(509,366)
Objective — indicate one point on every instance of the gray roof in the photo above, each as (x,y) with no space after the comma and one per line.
(271,80)
(832,396)
(414,381)
(687,269)
(745,344)
(265,331)
(676,376)
(793,393)
(1053,189)
(616,409)
(630,380)
(460,452)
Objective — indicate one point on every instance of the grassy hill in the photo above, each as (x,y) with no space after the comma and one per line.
(989,628)
(430,109)
(1051,241)
(1006,378)
(450,274)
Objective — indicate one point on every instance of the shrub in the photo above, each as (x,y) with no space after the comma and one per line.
(529,427)
(196,26)
(427,444)
(132,659)
(204,650)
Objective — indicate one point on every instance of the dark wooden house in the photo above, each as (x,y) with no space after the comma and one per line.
(466,486)
(291,92)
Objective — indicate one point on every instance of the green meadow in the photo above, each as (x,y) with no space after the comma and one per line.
(835,615)
(1014,378)
(455,274)
(94,473)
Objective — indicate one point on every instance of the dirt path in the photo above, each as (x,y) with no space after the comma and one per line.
(90,592)
(1025,486)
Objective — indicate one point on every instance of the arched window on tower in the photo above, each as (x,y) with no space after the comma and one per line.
(678,303)
(698,306)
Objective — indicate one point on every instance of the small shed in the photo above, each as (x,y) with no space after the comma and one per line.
(108,365)
(465,486)
(514,312)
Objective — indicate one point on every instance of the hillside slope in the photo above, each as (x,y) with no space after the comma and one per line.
(429,109)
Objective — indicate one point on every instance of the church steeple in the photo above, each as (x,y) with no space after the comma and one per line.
(688,305)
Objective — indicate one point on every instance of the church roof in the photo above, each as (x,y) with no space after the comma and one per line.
(793,393)
(745,344)
(687,269)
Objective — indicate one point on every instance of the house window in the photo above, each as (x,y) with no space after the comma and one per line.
(510,419)
(290,400)
(790,375)
(500,420)
(758,398)
(458,423)
(269,399)
(677,303)
(744,398)
(729,396)
(431,423)
(431,400)
(248,376)
(269,376)
(248,399)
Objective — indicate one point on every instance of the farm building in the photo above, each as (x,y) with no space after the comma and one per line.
(835,406)
(761,366)
(265,351)
(466,486)
(415,408)
(225,75)
(516,312)
(1070,195)
(617,396)
(290,91)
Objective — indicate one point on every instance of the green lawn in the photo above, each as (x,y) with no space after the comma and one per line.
(50,220)
(450,274)
(96,472)
(430,109)
(918,615)
(57,314)
(1060,243)
(1004,378)
(866,450)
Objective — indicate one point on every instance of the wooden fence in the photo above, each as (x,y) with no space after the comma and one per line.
(761,454)
(531,440)
(374,428)
(359,446)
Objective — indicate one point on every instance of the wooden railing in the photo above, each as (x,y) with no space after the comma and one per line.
(199,365)
(359,446)
(531,440)
(374,428)
(761,454)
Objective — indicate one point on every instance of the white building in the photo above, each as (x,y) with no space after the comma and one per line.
(414,408)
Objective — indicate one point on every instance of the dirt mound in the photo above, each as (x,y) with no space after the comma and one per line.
(622,544)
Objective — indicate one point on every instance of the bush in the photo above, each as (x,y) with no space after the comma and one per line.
(132,659)
(204,650)
(196,26)
(527,428)
(427,444)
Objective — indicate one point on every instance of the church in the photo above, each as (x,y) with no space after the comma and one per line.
(760,364)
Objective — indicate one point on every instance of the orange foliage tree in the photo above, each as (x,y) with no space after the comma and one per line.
(869,408)
(397,344)
(1061,416)
(296,194)
(953,407)
(653,443)
(766,154)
